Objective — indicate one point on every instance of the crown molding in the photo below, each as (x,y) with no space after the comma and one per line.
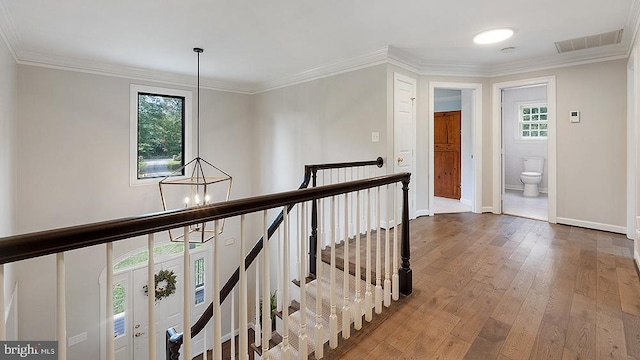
(420,66)
(8,31)
(372,58)
(387,55)
(92,67)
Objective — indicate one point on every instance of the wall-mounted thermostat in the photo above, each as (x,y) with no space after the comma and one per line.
(574,116)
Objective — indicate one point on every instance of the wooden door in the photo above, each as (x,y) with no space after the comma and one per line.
(447,154)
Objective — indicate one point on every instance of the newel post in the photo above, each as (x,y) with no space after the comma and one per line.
(404,273)
(313,239)
(173,343)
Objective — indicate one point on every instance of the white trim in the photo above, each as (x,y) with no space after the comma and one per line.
(521,188)
(592,225)
(425,212)
(366,60)
(133,128)
(476,134)
(487,209)
(632,141)
(550,82)
(412,189)
(466,202)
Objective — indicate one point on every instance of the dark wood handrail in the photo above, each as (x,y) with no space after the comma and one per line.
(26,246)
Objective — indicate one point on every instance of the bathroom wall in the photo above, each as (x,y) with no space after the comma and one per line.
(447,100)
(516,149)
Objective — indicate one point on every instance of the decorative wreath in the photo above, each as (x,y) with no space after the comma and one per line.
(167,280)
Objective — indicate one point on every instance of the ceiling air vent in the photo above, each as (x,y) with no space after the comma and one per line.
(588,42)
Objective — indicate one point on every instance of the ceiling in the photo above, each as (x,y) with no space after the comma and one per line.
(251,46)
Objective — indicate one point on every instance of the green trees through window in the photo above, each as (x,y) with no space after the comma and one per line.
(161,121)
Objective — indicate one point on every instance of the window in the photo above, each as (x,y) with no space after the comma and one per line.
(159,129)
(119,307)
(532,121)
(199,280)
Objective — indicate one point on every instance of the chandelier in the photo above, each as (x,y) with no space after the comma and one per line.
(202,184)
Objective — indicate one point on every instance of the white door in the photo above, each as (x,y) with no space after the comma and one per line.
(404,129)
(168,310)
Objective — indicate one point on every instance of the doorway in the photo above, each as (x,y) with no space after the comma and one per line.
(131,299)
(455,147)
(521,124)
(525,132)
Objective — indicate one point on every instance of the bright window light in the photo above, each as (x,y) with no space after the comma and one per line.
(492,36)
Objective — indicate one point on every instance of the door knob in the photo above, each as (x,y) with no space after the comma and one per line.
(400,160)
(137,326)
(138,334)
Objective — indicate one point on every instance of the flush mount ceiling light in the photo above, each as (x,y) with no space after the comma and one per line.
(492,36)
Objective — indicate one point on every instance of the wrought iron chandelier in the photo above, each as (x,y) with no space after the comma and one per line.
(200,188)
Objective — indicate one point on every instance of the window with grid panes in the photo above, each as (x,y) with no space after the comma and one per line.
(533,122)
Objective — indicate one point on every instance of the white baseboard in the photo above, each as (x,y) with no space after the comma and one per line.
(486,209)
(466,202)
(636,257)
(592,225)
(521,188)
(422,213)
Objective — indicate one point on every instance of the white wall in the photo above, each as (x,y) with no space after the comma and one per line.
(8,156)
(73,146)
(591,155)
(8,119)
(326,120)
(516,149)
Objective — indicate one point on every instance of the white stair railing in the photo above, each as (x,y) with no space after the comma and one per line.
(342,218)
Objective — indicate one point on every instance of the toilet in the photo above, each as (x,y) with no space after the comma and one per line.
(532,175)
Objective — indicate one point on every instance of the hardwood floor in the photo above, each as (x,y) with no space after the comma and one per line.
(502,287)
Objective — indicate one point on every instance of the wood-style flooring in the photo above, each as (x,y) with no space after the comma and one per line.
(500,287)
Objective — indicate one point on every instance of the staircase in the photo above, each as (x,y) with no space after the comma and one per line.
(325,303)
(359,302)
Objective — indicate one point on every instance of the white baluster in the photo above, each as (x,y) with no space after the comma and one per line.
(280,246)
(151,299)
(395,281)
(319,339)
(368,300)
(186,296)
(387,242)
(303,339)
(61,311)
(285,287)
(378,297)
(333,318)
(233,324)
(266,289)
(109,304)
(244,340)
(346,310)
(3,328)
(358,319)
(256,326)
(217,311)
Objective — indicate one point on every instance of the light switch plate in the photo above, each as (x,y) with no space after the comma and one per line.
(375,136)
(229,241)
